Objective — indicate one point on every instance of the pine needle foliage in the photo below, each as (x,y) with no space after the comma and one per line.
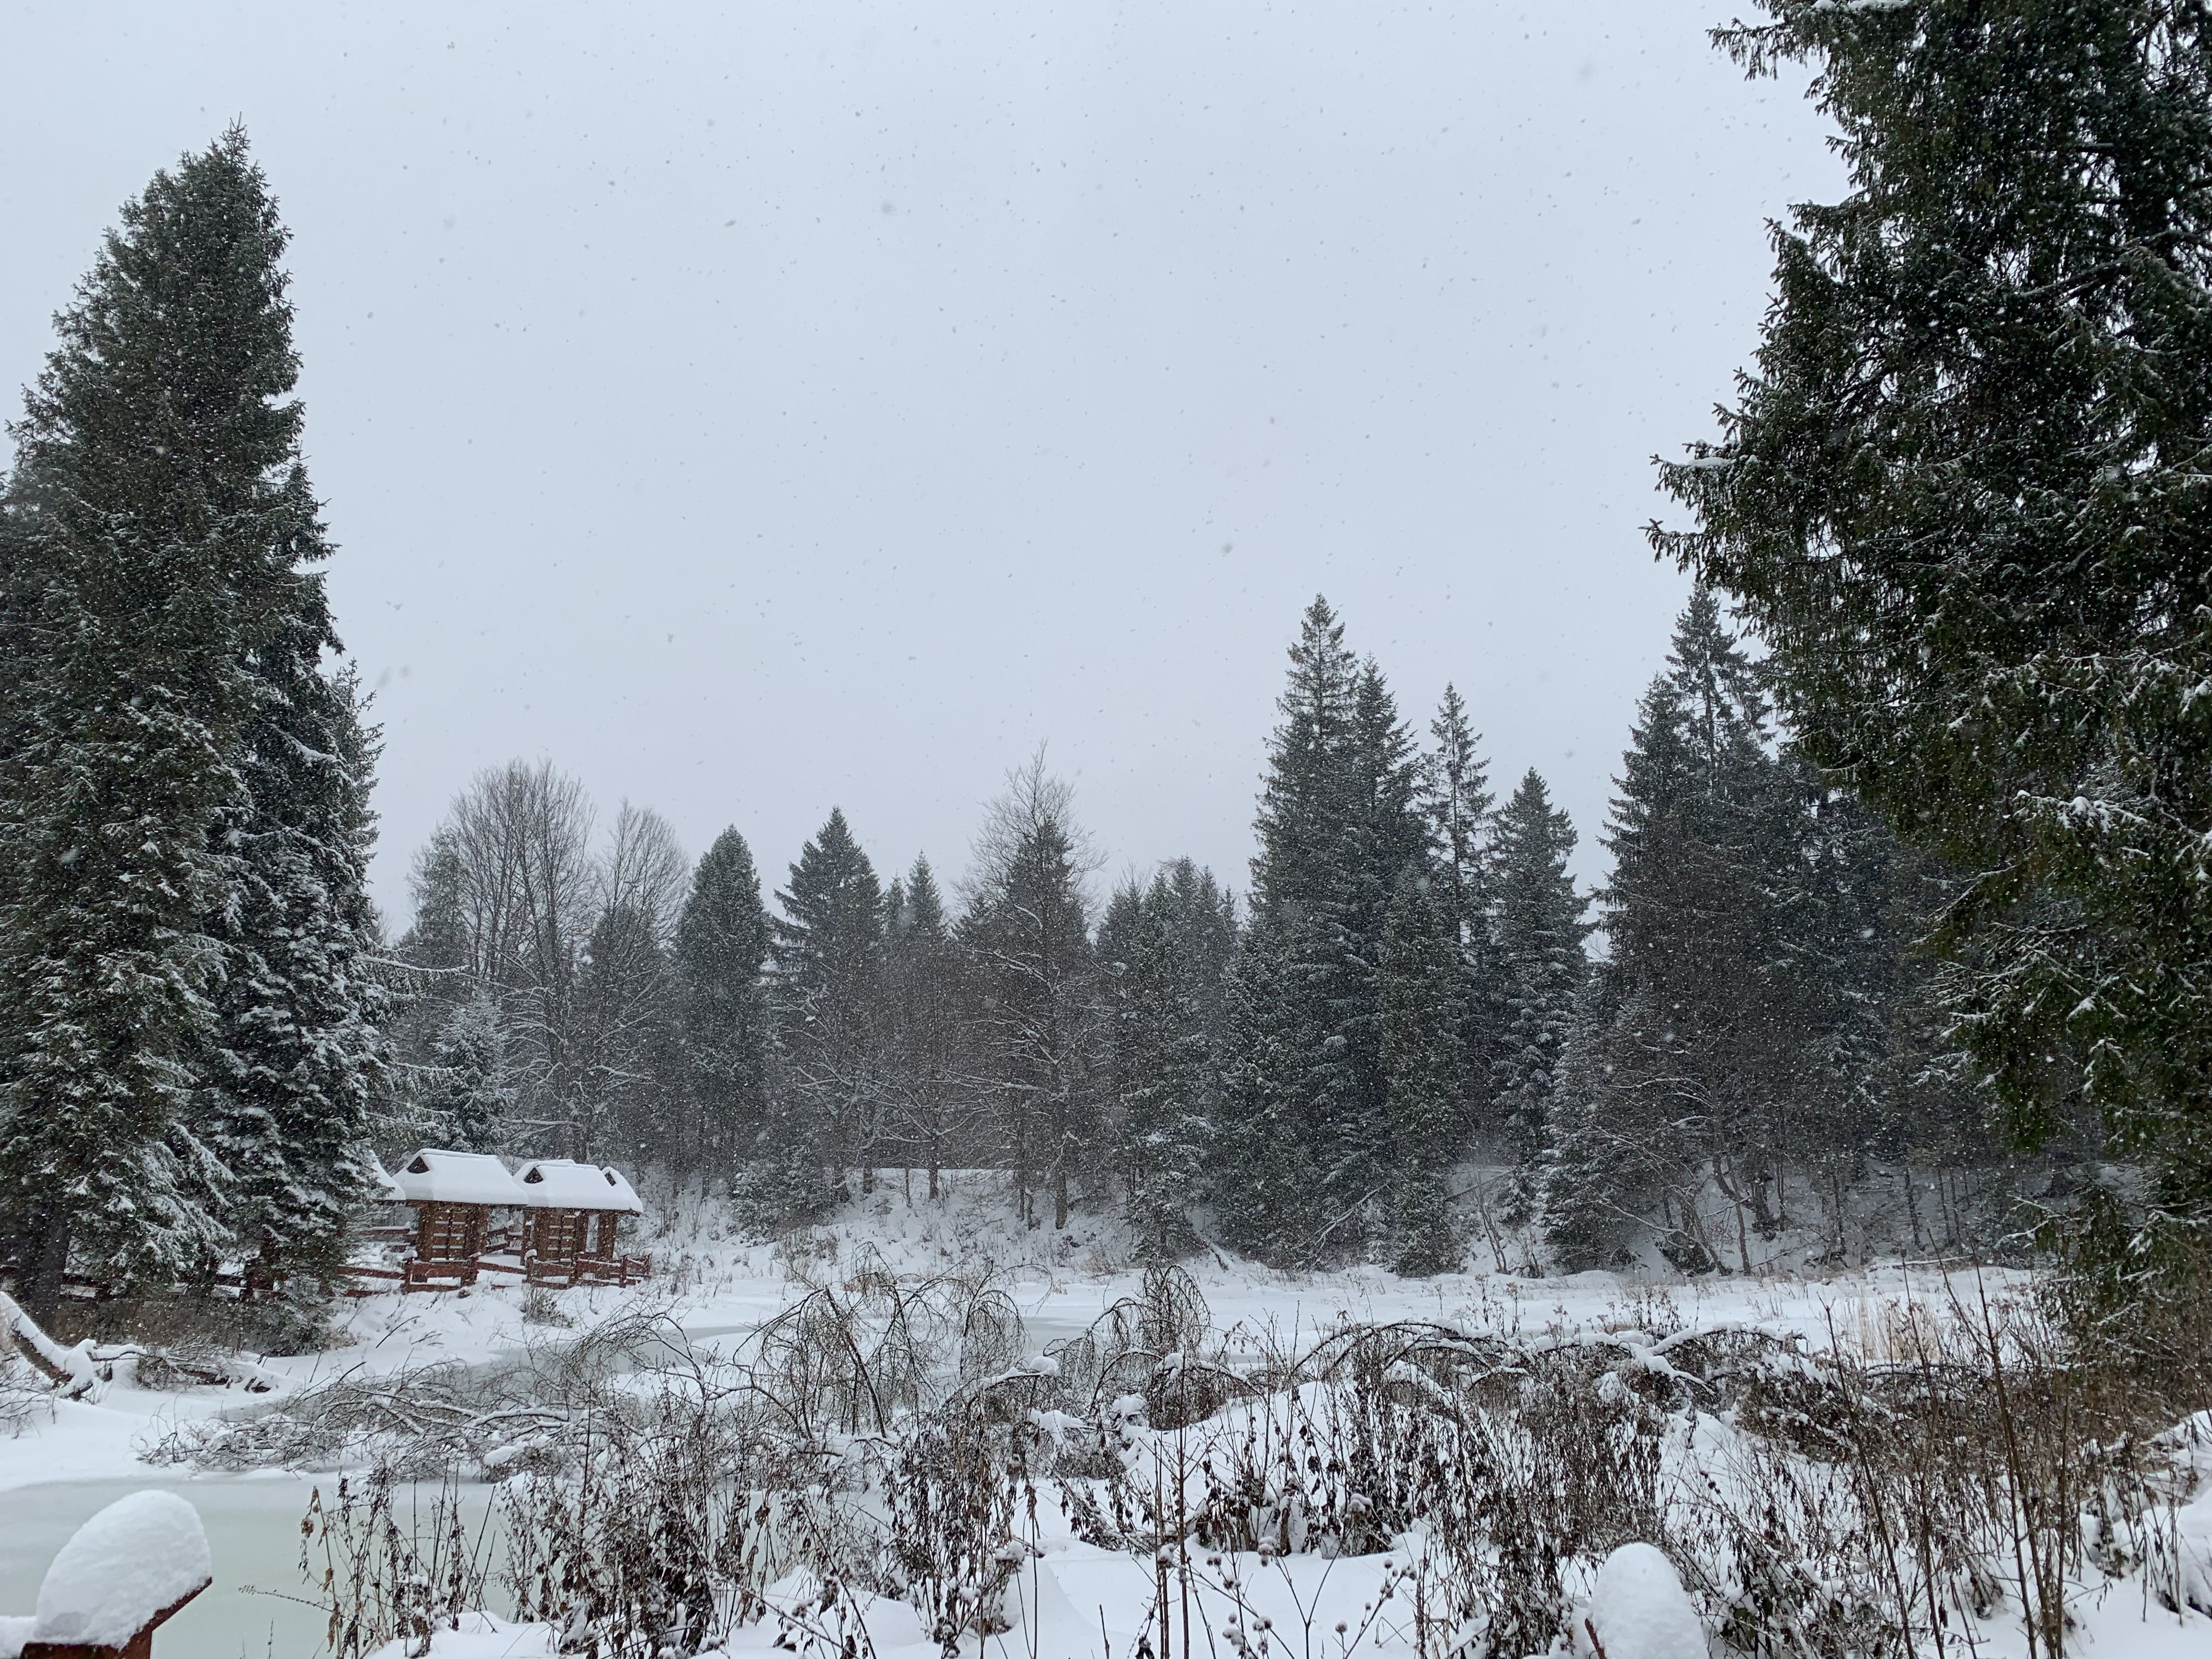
(721,954)
(1962,495)
(186,1052)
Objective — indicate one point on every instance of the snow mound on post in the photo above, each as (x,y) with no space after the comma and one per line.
(138,1557)
(1640,1610)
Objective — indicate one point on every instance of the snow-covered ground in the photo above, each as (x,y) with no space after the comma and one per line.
(1072,1598)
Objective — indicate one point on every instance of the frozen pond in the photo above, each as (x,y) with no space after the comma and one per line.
(254,1531)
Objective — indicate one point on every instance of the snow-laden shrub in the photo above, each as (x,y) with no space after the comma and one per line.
(886,1441)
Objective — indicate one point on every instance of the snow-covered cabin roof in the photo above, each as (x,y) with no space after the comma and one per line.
(432,1176)
(560,1183)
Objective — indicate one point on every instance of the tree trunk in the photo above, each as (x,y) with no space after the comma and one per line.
(1059,1165)
(54,1262)
(1022,1162)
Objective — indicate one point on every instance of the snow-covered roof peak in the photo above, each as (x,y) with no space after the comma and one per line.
(561,1183)
(433,1176)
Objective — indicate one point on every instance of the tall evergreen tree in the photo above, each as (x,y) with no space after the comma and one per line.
(626,1060)
(437,939)
(464,1099)
(159,516)
(1539,933)
(1288,980)
(1165,948)
(924,1033)
(828,951)
(1423,992)
(1693,1051)
(1305,1151)
(1456,801)
(295,1064)
(1961,498)
(721,957)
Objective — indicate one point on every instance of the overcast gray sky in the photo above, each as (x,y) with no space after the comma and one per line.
(754,408)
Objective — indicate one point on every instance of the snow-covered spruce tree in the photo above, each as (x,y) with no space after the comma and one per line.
(1423,990)
(442,1025)
(1165,949)
(1961,496)
(1540,932)
(463,1099)
(1261,1177)
(160,515)
(924,1032)
(295,1065)
(1305,1149)
(723,1016)
(436,941)
(1597,1175)
(1878,1077)
(1291,976)
(1690,1054)
(1027,933)
(827,951)
(1389,841)
(1456,801)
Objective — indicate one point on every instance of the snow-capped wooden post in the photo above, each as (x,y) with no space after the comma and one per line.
(123,1574)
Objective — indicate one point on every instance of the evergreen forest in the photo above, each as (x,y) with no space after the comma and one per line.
(1906,854)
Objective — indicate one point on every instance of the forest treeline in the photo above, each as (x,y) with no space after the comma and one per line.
(1305,1075)
(204,1035)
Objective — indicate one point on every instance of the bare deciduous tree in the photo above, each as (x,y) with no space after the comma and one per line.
(1028,929)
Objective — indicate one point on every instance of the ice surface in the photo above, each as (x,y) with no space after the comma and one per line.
(140,1555)
(1640,1610)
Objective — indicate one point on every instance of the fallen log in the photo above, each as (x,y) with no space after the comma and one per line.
(70,1369)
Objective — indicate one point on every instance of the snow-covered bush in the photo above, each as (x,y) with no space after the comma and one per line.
(888,1441)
